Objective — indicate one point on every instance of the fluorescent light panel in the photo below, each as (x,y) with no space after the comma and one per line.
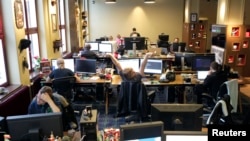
(110,1)
(149,1)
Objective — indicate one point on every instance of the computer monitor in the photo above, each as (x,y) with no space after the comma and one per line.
(3,126)
(176,117)
(85,66)
(68,63)
(153,66)
(34,126)
(185,136)
(147,131)
(94,45)
(139,42)
(105,47)
(127,62)
(183,60)
(163,37)
(179,47)
(202,61)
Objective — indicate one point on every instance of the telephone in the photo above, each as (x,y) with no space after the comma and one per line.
(167,77)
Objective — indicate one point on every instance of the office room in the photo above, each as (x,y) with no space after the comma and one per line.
(54,37)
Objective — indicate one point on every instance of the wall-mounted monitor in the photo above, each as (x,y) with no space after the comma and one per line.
(176,117)
(94,45)
(138,42)
(68,63)
(185,136)
(85,66)
(153,66)
(131,63)
(34,126)
(202,61)
(147,131)
(105,47)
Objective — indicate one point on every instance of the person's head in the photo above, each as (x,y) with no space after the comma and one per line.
(111,38)
(87,47)
(60,63)
(118,36)
(43,90)
(176,40)
(129,73)
(134,29)
(214,66)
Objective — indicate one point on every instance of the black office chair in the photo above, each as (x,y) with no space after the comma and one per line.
(89,56)
(65,87)
(134,101)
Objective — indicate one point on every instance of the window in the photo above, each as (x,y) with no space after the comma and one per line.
(62,26)
(31,31)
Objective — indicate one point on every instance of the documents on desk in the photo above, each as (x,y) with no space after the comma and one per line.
(94,77)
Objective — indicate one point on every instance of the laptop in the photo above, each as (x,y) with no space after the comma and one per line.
(156,51)
(201,75)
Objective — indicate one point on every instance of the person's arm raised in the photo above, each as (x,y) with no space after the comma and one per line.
(144,62)
(115,61)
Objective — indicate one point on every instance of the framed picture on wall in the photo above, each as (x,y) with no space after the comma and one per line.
(18,7)
(235,32)
(193,17)
(53,22)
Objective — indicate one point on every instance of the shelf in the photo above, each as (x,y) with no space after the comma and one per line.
(241,59)
(230,59)
(236,47)
(245,44)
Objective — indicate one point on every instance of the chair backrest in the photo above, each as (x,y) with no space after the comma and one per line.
(89,56)
(64,86)
(133,96)
(221,78)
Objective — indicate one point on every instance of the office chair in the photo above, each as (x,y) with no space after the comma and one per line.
(89,56)
(134,101)
(65,87)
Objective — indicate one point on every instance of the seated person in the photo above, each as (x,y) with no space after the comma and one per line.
(61,71)
(46,101)
(211,83)
(87,53)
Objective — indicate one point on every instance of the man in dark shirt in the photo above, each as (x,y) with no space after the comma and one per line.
(87,53)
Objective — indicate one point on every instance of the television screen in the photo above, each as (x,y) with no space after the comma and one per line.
(139,42)
(134,63)
(179,47)
(153,66)
(219,35)
(185,117)
(202,61)
(94,45)
(185,136)
(147,131)
(85,66)
(34,126)
(68,63)
(105,47)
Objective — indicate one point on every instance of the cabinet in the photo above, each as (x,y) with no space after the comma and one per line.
(237,48)
(195,35)
(84,23)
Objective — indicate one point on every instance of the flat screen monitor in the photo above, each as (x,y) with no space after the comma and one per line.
(3,126)
(202,61)
(176,117)
(68,63)
(183,60)
(128,63)
(163,37)
(147,131)
(105,47)
(94,45)
(153,66)
(139,42)
(34,126)
(179,47)
(185,136)
(85,66)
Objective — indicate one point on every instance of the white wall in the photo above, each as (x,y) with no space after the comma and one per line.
(165,16)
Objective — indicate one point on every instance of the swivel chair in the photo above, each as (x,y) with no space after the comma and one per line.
(65,87)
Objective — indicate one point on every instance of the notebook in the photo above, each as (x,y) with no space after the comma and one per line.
(156,51)
(201,75)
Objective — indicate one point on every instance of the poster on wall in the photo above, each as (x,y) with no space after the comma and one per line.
(18,7)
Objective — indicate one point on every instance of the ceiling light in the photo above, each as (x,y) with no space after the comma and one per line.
(110,1)
(149,1)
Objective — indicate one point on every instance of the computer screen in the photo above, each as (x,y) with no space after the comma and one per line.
(153,66)
(139,42)
(179,47)
(183,58)
(185,136)
(105,47)
(176,117)
(68,63)
(147,131)
(131,63)
(85,66)
(202,61)
(163,37)
(34,126)
(94,45)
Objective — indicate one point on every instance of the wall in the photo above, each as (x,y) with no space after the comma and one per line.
(149,19)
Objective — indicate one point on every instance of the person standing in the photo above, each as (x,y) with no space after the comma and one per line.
(134,33)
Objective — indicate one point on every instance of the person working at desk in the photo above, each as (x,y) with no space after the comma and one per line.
(87,53)
(134,33)
(176,40)
(61,71)
(211,83)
